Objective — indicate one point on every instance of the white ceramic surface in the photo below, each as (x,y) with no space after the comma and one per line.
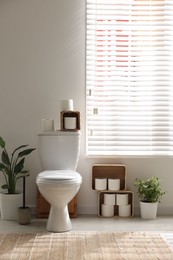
(59,183)
(58,194)
(9,205)
(148,210)
(59,150)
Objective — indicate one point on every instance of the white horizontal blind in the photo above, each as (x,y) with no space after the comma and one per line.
(129,77)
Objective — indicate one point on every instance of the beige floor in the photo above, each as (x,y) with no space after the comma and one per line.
(95,223)
(162,224)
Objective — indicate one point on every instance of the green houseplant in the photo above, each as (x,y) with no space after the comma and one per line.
(150,193)
(12,168)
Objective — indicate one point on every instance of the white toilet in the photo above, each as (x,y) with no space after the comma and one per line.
(59,182)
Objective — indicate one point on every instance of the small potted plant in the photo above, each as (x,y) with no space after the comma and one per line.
(12,168)
(150,193)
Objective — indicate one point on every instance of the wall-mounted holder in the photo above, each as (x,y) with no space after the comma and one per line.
(120,209)
(112,172)
(70,120)
(110,182)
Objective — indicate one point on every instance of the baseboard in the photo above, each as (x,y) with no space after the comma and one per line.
(94,211)
(87,210)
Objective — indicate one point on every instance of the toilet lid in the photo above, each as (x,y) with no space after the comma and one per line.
(61,176)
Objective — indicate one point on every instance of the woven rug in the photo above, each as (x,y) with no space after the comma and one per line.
(84,246)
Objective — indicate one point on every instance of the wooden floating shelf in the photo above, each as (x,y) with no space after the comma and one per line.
(109,171)
(101,201)
(70,114)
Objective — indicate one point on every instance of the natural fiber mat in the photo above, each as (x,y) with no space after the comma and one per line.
(84,245)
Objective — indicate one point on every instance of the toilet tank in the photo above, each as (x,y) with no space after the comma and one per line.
(59,150)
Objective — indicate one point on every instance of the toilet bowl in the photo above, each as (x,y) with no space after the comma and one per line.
(58,188)
(59,182)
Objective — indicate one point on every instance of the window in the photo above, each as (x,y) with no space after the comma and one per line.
(129,77)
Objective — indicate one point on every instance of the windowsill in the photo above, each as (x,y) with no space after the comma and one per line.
(126,156)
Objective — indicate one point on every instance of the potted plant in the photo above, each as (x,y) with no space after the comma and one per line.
(150,193)
(12,168)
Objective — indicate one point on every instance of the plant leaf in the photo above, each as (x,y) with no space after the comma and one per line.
(149,190)
(20,147)
(5,158)
(18,168)
(5,186)
(22,174)
(2,142)
(2,166)
(26,152)
(7,171)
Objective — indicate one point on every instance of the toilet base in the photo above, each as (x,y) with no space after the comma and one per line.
(59,220)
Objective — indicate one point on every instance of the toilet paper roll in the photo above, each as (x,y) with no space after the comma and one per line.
(100,184)
(124,210)
(67,105)
(113,184)
(122,199)
(107,210)
(70,123)
(109,199)
(47,125)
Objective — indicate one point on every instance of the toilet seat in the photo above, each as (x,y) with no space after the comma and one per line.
(59,177)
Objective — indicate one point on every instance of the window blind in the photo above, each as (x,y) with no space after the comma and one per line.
(129,77)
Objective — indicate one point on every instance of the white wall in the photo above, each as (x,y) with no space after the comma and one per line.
(42,61)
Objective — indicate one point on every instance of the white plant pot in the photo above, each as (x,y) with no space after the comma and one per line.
(9,205)
(148,210)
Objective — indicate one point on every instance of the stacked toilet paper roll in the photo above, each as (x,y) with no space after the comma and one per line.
(70,123)
(122,199)
(100,184)
(107,210)
(109,199)
(110,184)
(67,105)
(114,204)
(124,209)
(113,184)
